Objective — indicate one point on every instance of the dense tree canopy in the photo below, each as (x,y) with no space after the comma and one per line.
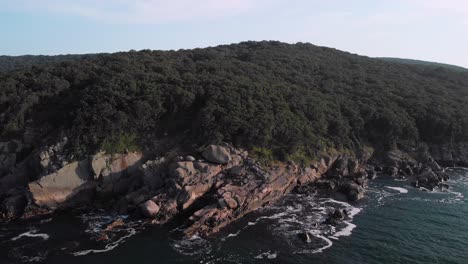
(284,97)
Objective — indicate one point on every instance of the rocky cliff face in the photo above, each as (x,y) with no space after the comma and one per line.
(209,189)
(450,154)
(224,185)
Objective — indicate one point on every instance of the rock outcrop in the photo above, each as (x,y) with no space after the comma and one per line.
(115,174)
(214,194)
(347,175)
(335,217)
(53,157)
(417,165)
(149,208)
(80,181)
(210,193)
(450,154)
(217,154)
(13,205)
(53,189)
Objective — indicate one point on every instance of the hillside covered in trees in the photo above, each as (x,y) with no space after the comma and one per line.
(426,63)
(285,99)
(11,63)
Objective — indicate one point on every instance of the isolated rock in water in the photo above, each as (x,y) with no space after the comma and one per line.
(217,154)
(336,217)
(306,237)
(353,191)
(54,189)
(149,209)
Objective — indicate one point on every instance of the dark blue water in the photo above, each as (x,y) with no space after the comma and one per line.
(394,224)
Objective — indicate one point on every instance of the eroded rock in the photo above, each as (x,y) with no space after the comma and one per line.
(56,188)
(149,209)
(217,154)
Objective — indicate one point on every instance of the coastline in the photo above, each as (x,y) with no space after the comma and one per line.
(209,192)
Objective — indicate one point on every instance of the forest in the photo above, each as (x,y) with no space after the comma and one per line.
(286,99)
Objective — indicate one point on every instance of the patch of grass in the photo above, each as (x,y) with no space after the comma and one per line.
(263,155)
(120,143)
(301,157)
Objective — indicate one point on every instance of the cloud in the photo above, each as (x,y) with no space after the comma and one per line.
(139,11)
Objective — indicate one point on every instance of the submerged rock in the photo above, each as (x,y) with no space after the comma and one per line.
(306,237)
(117,223)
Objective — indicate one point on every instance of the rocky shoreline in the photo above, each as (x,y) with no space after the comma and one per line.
(208,190)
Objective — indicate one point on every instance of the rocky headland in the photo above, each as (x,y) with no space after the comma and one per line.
(207,189)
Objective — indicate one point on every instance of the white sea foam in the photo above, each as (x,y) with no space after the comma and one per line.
(234,234)
(401,190)
(31,233)
(267,255)
(400,179)
(109,246)
(275,216)
(328,241)
(194,246)
(354,211)
(330,200)
(328,244)
(46,220)
(346,231)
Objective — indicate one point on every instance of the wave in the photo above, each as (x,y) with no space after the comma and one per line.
(109,246)
(344,232)
(267,255)
(400,189)
(31,233)
(193,246)
(328,244)
(307,215)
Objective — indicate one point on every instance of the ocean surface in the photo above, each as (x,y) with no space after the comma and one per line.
(395,223)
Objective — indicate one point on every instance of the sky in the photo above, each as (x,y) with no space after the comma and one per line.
(433,30)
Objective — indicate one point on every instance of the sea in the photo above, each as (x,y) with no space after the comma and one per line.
(395,223)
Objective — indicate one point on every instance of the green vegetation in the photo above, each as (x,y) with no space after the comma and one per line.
(120,143)
(295,100)
(262,154)
(425,63)
(11,63)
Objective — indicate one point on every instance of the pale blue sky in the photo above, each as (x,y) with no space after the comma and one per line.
(435,30)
